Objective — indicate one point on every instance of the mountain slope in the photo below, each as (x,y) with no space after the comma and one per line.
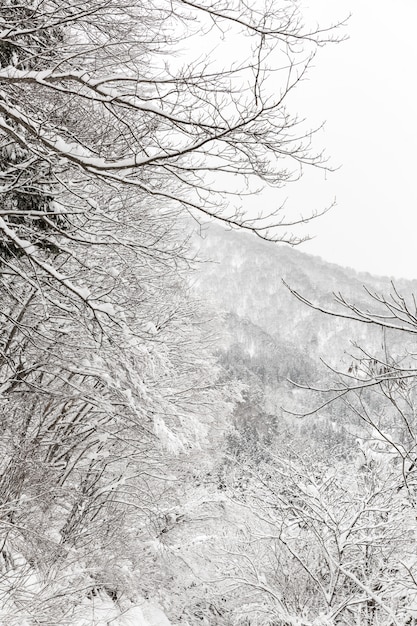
(244,275)
(271,333)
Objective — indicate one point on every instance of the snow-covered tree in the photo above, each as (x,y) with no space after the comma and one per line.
(96,97)
(98,432)
(320,544)
(112,130)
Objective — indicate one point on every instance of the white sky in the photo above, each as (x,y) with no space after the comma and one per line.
(366,90)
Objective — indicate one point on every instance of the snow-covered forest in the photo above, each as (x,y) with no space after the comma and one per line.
(198,423)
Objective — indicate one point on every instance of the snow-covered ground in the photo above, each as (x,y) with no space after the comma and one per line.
(101,611)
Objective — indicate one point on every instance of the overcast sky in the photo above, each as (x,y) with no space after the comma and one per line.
(365,89)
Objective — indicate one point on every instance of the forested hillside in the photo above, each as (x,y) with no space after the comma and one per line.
(284,519)
(266,327)
(323,469)
(157,465)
